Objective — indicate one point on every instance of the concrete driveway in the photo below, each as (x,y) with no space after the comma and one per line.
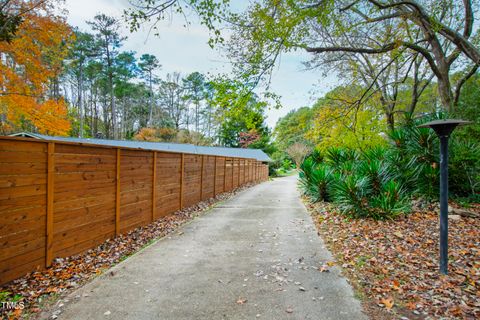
(255,256)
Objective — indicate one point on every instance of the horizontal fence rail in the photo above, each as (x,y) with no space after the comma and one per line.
(62,198)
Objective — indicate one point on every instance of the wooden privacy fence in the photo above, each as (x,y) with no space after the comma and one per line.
(61,198)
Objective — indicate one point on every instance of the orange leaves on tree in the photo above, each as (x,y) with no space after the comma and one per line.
(29,64)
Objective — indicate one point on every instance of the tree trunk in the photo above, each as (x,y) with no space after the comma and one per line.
(80,102)
(445,92)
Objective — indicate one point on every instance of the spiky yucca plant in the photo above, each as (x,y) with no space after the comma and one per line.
(336,157)
(350,194)
(377,171)
(315,179)
(390,201)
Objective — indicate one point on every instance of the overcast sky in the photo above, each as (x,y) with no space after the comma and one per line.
(186,50)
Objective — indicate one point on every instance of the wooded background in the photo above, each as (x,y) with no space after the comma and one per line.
(61,198)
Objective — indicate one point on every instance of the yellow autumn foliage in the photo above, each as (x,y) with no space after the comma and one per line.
(338,122)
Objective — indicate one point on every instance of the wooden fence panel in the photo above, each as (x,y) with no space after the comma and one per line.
(23,200)
(135,189)
(59,198)
(220,176)
(192,179)
(250,171)
(236,173)
(242,172)
(167,183)
(208,177)
(228,174)
(84,198)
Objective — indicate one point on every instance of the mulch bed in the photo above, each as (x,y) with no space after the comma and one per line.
(393,265)
(39,289)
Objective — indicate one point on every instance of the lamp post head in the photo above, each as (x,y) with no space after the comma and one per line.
(444,127)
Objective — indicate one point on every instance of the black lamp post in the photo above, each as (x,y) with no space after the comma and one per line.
(443,129)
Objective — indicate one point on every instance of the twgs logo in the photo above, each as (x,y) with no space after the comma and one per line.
(13,305)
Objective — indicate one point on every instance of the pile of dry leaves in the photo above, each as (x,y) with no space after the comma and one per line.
(34,289)
(394,264)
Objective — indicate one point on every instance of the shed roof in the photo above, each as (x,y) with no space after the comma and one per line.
(159,146)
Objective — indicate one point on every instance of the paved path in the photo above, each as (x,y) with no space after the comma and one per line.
(261,246)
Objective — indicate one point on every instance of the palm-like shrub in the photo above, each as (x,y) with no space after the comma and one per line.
(375,153)
(414,159)
(391,201)
(362,185)
(377,171)
(402,170)
(336,157)
(350,194)
(380,182)
(370,191)
(315,179)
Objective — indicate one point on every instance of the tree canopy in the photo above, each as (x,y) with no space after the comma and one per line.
(33,53)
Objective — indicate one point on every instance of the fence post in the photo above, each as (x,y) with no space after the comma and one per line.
(154,186)
(201,178)
(50,195)
(181,180)
(117,196)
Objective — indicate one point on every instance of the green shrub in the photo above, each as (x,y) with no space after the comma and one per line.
(336,157)
(414,158)
(287,165)
(464,168)
(380,182)
(315,179)
(377,171)
(350,194)
(391,201)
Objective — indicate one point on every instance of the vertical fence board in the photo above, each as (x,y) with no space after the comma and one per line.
(225,176)
(154,189)
(215,176)
(182,173)
(244,171)
(117,195)
(50,201)
(220,173)
(201,177)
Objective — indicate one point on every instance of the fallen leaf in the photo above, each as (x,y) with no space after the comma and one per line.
(387,302)
(399,234)
(323,268)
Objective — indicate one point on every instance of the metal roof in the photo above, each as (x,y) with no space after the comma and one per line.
(159,146)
